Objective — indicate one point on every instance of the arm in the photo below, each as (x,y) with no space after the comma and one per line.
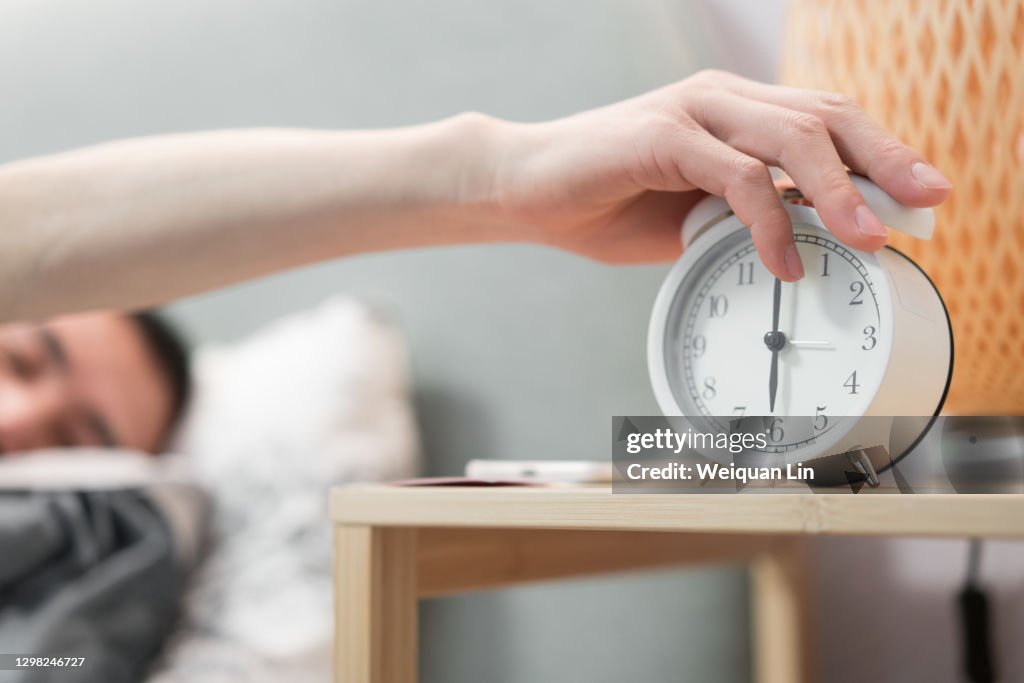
(140,222)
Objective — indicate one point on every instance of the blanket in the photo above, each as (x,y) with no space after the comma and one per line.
(92,568)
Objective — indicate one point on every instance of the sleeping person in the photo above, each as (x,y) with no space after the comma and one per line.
(99,546)
(99,543)
(111,379)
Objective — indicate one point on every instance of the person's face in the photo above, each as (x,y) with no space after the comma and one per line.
(80,380)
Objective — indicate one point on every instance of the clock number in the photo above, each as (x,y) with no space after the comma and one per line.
(709,389)
(746,273)
(820,419)
(699,345)
(718,306)
(869,338)
(739,411)
(824,265)
(851,383)
(775,431)
(857,287)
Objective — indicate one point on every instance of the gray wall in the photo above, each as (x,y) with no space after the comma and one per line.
(519,352)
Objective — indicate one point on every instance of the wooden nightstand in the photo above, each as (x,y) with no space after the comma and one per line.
(394,545)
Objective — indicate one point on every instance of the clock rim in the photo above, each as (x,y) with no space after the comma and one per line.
(949,372)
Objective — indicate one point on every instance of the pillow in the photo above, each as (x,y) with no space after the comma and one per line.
(318,398)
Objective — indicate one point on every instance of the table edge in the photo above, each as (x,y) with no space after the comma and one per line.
(940,515)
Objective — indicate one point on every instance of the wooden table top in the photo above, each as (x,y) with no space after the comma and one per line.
(592,507)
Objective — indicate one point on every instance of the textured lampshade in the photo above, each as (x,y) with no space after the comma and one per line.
(946,76)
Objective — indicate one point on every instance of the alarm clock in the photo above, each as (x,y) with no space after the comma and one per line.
(843,370)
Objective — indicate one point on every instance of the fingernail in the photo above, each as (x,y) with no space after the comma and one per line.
(868,223)
(930,177)
(794,266)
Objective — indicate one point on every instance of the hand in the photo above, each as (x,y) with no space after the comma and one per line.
(615,183)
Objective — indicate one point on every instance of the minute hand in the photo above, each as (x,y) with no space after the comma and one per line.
(776,304)
(773,378)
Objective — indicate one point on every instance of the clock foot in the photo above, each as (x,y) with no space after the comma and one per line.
(862,463)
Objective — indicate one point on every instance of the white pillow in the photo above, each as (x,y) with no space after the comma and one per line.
(317,398)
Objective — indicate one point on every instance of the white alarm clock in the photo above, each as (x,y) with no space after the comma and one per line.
(826,362)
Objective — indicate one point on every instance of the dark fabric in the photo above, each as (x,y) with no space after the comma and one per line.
(86,574)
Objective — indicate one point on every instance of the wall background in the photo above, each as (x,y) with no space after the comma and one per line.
(518,351)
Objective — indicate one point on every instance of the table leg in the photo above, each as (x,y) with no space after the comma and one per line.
(782,651)
(375,605)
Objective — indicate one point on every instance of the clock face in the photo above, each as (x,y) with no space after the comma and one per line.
(830,348)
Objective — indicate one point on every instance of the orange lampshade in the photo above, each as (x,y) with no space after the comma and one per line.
(947,77)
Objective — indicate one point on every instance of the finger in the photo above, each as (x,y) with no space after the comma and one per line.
(747,186)
(862,142)
(801,145)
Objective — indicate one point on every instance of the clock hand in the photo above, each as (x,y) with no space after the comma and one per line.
(776,304)
(775,340)
(801,342)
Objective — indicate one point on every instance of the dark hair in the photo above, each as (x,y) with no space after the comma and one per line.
(170,352)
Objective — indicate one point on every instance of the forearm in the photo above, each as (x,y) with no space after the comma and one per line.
(140,222)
